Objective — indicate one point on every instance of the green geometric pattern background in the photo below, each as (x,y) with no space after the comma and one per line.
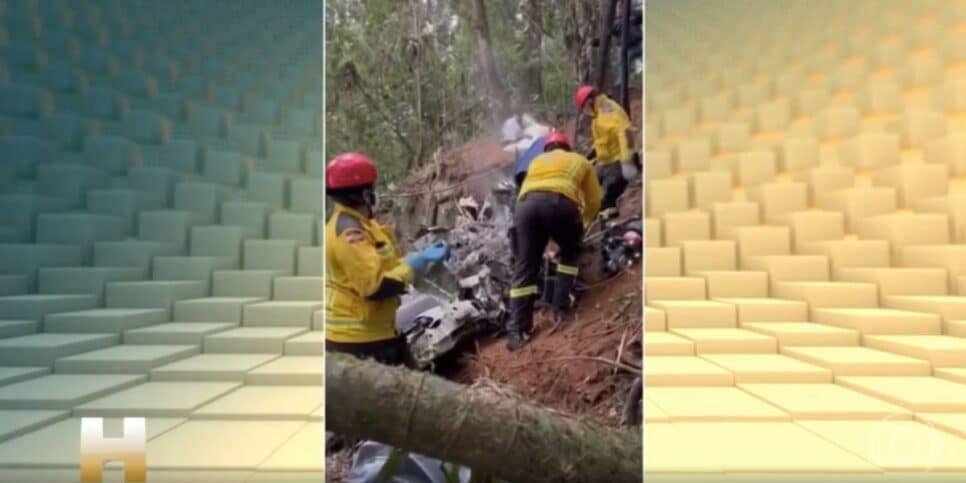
(160,247)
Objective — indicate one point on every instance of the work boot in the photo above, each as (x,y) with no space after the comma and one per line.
(520,323)
(515,340)
(563,300)
(563,287)
(546,292)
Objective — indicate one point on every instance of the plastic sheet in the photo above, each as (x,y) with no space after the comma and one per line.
(372,456)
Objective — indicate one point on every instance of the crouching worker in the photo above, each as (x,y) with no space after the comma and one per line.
(365,273)
(616,163)
(558,200)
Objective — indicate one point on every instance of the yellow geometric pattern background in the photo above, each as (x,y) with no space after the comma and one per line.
(806,230)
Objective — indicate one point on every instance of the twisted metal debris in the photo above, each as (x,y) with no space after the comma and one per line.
(479,269)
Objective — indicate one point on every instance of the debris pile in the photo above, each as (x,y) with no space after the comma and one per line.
(622,245)
(439,330)
(471,288)
(479,269)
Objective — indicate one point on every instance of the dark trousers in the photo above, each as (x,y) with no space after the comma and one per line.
(613,184)
(392,352)
(539,218)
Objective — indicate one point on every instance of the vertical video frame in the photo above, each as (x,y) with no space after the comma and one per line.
(484,241)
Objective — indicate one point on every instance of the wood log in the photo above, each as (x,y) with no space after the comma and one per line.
(479,427)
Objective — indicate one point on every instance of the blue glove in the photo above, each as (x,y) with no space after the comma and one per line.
(436,252)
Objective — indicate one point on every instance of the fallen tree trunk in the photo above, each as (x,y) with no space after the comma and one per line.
(481,428)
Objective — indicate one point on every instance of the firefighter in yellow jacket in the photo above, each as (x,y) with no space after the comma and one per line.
(615,159)
(558,200)
(365,273)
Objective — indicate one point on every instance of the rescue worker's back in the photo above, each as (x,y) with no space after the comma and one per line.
(559,198)
(568,174)
(609,129)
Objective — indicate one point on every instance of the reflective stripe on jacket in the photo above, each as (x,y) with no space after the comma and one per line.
(359,254)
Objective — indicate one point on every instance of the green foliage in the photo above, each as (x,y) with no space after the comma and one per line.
(451,472)
(391,466)
(402,79)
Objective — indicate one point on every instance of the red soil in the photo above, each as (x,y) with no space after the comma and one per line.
(544,371)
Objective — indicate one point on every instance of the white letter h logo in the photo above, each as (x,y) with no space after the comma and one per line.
(95,450)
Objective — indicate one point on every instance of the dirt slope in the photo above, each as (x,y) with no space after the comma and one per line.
(610,312)
(607,322)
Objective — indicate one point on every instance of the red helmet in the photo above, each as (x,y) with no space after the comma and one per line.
(350,170)
(557,137)
(632,238)
(583,93)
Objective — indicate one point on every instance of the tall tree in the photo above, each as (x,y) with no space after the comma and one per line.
(581,35)
(495,88)
(408,79)
(533,49)
(603,43)
(414,52)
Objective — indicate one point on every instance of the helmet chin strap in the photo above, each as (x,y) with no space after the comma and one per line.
(360,200)
(370,200)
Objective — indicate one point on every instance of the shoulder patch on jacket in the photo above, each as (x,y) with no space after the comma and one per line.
(346,222)
(353,235)
(606,108)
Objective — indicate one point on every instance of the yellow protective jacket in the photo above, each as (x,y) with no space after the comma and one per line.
(569,174)
(364,277)
(609,130)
